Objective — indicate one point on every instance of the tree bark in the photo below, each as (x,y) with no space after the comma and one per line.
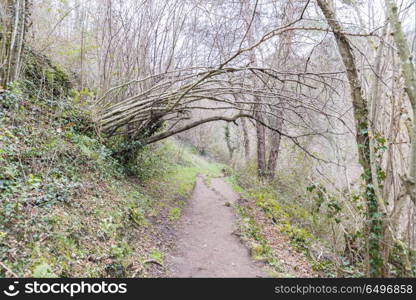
(275,146)
(12,32)
(230,146)
(258,115)
(261,143)
(360,111)
(169,133)
(246,140)
(282,55)
(409,76)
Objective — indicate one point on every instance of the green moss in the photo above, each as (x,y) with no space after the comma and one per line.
(49,80)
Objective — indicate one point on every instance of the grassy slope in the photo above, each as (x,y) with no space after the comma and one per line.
(266,222)
(67,207)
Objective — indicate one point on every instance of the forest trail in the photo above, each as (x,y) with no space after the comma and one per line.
(206,245)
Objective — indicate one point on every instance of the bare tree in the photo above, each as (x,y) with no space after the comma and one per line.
(409,75)
(13,17)
(363,139)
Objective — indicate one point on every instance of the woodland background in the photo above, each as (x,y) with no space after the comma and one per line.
(308,104)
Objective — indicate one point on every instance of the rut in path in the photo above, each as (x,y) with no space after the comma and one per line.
(207,246)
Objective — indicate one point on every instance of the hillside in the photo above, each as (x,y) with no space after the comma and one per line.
(69,209)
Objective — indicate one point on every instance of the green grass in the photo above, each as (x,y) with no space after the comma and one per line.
(174,213)
(185,166)
(256,241)
(232,180)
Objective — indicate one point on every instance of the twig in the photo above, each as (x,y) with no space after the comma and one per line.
(153,261)
(8,270)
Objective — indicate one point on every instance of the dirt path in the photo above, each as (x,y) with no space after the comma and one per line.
(207,246)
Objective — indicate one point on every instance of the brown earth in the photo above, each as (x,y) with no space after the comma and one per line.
(206,245)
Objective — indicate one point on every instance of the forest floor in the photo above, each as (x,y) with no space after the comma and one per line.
(210,241)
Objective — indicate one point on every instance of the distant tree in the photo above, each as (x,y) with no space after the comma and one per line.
(13,17)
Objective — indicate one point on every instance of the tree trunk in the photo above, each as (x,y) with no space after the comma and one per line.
(246,140)
(230,146)
(12,32)
(261,143)
(409,76)
(275,146)
(386,229)
(258,115)
(360,110)
(282,55)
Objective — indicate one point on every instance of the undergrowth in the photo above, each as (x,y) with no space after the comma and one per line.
(288,203)
(320,222)
(69,207)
